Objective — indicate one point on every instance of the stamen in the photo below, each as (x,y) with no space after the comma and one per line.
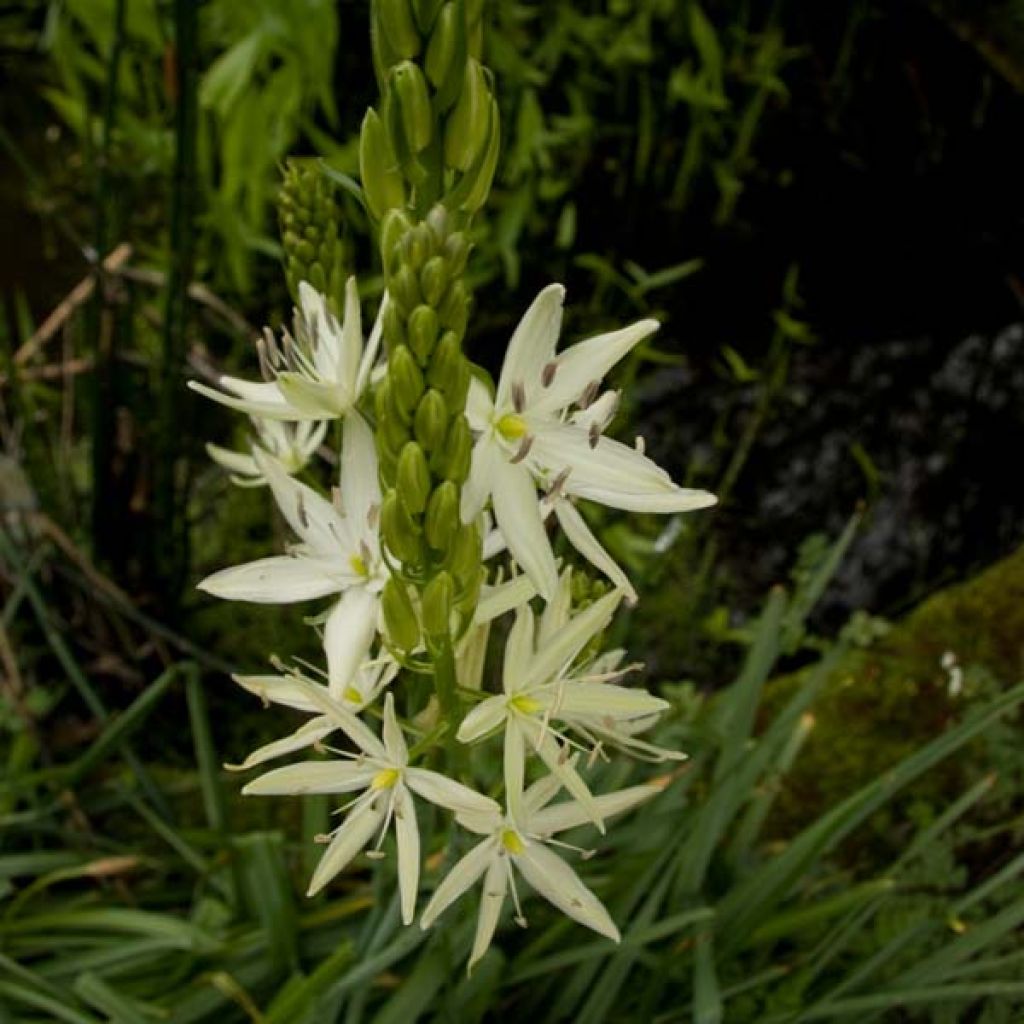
(519,918)
(373,516)
(558,484)
(518,396)
(547,375)
(595,435)
(300,507)
(266,372)
(589,394)
(524,449)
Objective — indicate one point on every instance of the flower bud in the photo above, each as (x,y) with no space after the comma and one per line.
(483,171)
(412,478)
(422,332)
(426,12)
(466,131)
(430,423)
(454,309)
(399,615)
(393,327)
(458,450)
(400,533)
(447,356)
(456,252)
(383,187)
(418,246)
(410,88)
(437,606)
(406,380)
(465,553)
(434,279)
(442,519)
(396,20)
(443,46)
(404,288)
(392,432)
(393,229)
(469,595)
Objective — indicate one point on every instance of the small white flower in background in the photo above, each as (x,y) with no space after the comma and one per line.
(291,444)
(529,438)
(540,689)
(382,773)
(339,553)
(517,839)
(317,373)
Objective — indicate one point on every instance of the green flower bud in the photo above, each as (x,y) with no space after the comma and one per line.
(400,533)
(483,172)
(444,44)
(442,519)
(399,615)
(383,187)
(437,606)
(466,131)
(422,332)
(406,380)
(467,598)
(419,246)
(456,251)
(454,309)
(458,450)
(430,423)
(434,279)
(437,222)
(393,326)
(317,278)
(444,365)
(404,288)
(396,20)
(392,433)
(393,229)
(410,87)
(412,478)
(465,553)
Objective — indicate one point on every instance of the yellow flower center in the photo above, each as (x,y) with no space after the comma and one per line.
(358,565)
(527,705)
(385,779)
(352,695)
(511,841)
(511,427)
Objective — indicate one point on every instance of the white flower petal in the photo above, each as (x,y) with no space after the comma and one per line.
(312,732)
(348,636)
(484,463)
(278,690)
(280,579)
(274,406)
(353,727)
(482,719)
(479,407)
(312,777)
(234,462)
(360,483)
(561,887)
(407,835)
(314,399)
(515,767)
(517,512)
(497,600)
(609,472)
(583,540)
(555,655)
(586,362)
(394,741)
(518,651)
(532,346)
(554,756)
(491,900)
(603,700)
(351,348)
(462,877)
(372,347)
(445,792)
(559,817)
(542,792)
(321,325)
(356,831)
(556,612)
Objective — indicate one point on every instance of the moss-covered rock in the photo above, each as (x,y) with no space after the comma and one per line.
(885,700)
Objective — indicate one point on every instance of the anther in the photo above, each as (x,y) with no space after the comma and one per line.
(558,484)
(524,449)
(594,435)
(518,396)
(589,393)
(300,508)
(547,375)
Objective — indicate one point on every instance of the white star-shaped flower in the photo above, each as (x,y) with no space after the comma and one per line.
(540,691)
(318,372)
(518,840)
(382,775)
(339,553)
(530,437)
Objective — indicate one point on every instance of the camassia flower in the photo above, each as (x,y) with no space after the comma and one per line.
(529,437)
(291,444)
(381,774)
(519,840)
(540,689)
(318,372)
(339,553)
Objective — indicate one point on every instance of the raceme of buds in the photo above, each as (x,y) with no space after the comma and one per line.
(308,218)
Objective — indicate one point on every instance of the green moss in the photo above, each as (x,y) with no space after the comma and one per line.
(884,701)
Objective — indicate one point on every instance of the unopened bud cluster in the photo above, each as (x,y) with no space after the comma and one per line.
(424,443)
(308,217)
